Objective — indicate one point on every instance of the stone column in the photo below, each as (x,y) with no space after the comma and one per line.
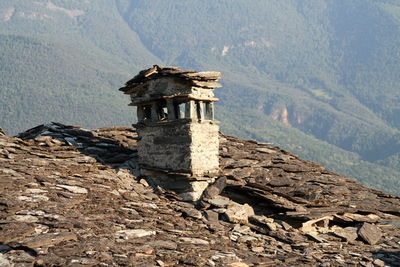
(190,110)
(154,112)
(171,109)
(200,110)
(209,110)
(140,113)
(177,111)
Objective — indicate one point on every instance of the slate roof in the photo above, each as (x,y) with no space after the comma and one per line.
(200,79)
(72,197)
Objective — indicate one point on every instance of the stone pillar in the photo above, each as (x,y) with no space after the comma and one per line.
(177,111)
(190,112)
(171,109)
(140,113)
(154,112)
(209,110)
(200,110)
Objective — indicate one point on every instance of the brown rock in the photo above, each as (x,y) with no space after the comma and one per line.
(257,249)
(117,217)
(370,233)
(379,263)
(315,237)
(194,241)
(219,201)
(192,212)
(347,234)
(13,232)
(48,239)
(211,215)
(215,189)
(237,213)
(51,260)
(238,264)
(265,150)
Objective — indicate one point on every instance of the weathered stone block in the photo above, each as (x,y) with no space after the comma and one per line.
(180,147)
(370,233)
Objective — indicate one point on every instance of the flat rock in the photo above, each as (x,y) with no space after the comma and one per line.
(48,239)
(192,212)
(167,244)
(25,218)
(220,202)
(370,233)
(194,241)
(134,233)
(211,215)
(73,189)
(265,150)
(379,263)
(315,237)
(238,264)
(347,234)
(237,213)
(215,188)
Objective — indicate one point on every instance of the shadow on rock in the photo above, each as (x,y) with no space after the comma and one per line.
(387,258)
(111,146)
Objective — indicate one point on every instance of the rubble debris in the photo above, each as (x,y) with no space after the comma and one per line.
(314,217)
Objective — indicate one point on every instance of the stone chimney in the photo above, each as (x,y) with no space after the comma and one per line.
(178,136)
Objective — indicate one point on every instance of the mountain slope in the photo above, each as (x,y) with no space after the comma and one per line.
(65,204)
(38,81)
(324,70)
(253,126)
(312,65)
(298,45)
(64,60)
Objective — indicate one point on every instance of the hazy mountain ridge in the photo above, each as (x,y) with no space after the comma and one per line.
(310,64)
(327,68)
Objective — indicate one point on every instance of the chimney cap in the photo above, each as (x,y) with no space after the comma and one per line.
(206,79)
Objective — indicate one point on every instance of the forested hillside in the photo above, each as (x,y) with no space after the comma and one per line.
(317,77)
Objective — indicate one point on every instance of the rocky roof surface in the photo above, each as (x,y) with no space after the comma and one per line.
(74,197)
(206,79)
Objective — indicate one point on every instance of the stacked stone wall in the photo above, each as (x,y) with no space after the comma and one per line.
(204,148)
(165,146)
(190,148)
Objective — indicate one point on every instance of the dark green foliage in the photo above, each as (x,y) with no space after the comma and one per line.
(260,127)
(328,69)
(38,82)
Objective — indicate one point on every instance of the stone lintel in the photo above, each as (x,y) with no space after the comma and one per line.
(176,122)
(180,98)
